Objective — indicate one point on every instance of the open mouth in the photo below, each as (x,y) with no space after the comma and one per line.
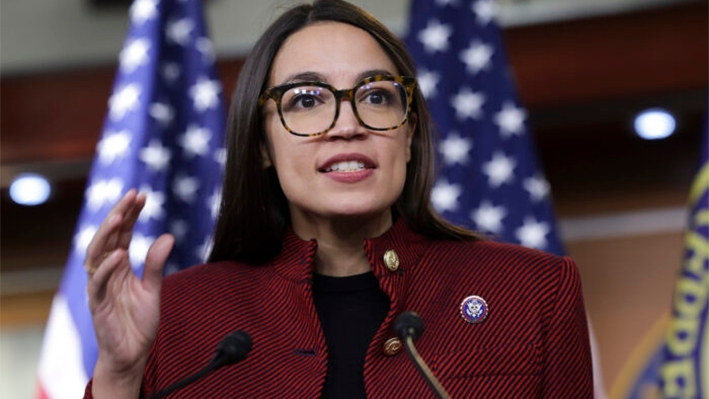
(346,166)
(347,163)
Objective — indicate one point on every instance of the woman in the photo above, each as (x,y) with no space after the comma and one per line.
(325,236)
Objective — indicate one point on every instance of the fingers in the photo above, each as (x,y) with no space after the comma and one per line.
(119,220)
(155,261)
(131,216)
(117,266)
(98,281)
(108,249)
(98,247)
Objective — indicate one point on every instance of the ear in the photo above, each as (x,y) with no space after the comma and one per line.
(265,155)
(410,135)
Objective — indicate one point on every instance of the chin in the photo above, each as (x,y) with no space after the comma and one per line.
(356,211)
(344,206)
(353,205)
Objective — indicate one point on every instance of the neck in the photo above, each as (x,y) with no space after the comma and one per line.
(340,252)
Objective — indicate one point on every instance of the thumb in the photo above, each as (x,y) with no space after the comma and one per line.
(155,261)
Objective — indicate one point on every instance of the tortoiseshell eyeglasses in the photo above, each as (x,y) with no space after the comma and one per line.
(309,109)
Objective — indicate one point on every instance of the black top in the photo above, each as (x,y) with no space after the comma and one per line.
(351,309)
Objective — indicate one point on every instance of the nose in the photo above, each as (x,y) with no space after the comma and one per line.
(347,125)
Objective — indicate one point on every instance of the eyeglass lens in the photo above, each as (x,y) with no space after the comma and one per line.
(312,109)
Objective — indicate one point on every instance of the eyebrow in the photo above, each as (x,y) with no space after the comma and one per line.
(310,76)
(307,76)
(373,72)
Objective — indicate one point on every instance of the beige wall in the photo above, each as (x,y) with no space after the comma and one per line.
(19,353)
(628,284)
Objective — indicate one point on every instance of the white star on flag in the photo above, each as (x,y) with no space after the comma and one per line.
(456,149)
(435,36)
(103,192)
(83,238)
(178,228)
(138,249)
(123,101)
(170,72)
(134,55)
(113,146)
(179,31)
(499,169)
(532,234)
(202,251)
(488,217)
(477,57)
(185,188)
(171,268)
(195,141)
(154,202)
(485,11)
(162,113)
(155,156)
(214,202)
(205,94)
(205,46)
(537,187)
(510,119)
(427,81)
(444,196)
(468,104)
(143,10)
(220,156)
(443,3)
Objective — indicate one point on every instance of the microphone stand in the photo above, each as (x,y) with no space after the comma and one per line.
(409,327)
(183,383)
(423,368)
(231,350)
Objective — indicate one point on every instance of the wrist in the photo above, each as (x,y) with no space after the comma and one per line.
(112,382)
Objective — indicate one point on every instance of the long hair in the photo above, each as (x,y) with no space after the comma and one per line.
(254,211)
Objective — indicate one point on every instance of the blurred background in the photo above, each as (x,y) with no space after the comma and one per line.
(584,70)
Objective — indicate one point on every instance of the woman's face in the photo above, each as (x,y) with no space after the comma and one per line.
(340,55)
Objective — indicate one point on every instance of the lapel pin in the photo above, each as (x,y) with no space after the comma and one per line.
(474,309)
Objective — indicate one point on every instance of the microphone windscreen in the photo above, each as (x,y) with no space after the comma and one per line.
(408,324)
(233,348)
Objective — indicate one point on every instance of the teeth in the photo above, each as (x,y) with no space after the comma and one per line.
(346,166)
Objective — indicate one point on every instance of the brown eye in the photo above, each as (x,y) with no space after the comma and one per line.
(377,98)
(306,98)
(303,101)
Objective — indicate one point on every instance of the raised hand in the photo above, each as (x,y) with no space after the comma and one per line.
(125,308)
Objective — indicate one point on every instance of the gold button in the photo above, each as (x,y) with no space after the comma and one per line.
(393,346)
(391,260)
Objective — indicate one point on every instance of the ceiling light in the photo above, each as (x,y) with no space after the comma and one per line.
(654,124)
(30,189)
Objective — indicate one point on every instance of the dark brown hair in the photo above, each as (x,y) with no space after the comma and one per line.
(254,212)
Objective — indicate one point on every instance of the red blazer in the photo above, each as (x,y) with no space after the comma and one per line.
(532,344)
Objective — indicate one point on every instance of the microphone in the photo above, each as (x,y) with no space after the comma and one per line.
(409,327)
(231,350)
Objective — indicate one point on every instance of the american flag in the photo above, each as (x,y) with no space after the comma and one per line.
(490,180)
(163,135)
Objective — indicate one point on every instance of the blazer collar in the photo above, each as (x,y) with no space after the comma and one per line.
(296,260)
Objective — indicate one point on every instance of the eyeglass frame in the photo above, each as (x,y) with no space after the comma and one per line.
(276,93)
